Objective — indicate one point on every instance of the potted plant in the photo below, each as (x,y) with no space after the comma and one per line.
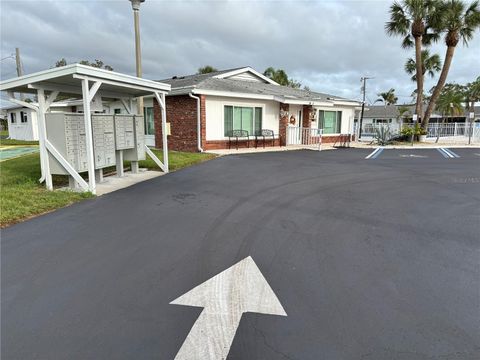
(422,135)
(408,131)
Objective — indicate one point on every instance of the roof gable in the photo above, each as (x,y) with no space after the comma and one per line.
(246,74)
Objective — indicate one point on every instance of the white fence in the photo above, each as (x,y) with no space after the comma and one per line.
(369,130)
(304,137)
(459,133)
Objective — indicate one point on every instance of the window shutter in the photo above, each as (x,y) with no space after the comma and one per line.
(228,120)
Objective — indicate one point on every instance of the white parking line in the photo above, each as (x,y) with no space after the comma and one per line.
(374,153)
(447,153)
(452,153)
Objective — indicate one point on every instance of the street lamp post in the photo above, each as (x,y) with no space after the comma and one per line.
(138,52)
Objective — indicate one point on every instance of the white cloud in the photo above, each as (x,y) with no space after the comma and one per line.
(327,45)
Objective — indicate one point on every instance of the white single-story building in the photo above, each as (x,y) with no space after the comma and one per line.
(204,109)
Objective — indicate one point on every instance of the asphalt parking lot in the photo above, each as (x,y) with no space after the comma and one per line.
(370,259)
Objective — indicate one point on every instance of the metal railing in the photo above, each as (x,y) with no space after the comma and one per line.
(451,132)
(304,137)
(454,132)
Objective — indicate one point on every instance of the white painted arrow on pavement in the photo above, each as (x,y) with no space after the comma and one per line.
(225,297)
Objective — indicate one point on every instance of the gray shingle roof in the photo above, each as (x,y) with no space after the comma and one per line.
(185,84)
(193,80)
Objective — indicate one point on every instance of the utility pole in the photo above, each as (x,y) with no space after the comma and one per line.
(19,67)
(364,88)
(138,61)
(19,63)
(138,52)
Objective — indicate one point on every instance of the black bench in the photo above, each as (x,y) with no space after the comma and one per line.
(265,134)
(241,135)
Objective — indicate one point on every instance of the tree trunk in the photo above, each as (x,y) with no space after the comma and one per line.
(419,75)
(440,84)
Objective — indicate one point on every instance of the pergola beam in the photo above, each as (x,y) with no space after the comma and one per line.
(11,98)
(75,90)
(93,90)
(112,82)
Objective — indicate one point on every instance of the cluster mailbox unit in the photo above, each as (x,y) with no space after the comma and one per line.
(88,142)
(111,134)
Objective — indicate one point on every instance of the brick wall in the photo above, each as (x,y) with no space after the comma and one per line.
(329,139)
(307,114)
(283,122)
(182,116)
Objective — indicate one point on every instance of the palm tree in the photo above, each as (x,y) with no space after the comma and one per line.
(206,69)
(430,65)
(472,94)
(281,77)
(413,19)
(403,112)
(458,22)
(449,104)
(388,97)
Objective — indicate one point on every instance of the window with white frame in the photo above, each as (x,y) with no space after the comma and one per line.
(242,118)
(330,121)
(13,117)
(23,117)
(149,121)
(117,111)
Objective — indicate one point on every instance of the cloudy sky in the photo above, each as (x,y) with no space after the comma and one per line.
(326,45)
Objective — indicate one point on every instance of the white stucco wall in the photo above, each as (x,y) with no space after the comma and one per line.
(214,111)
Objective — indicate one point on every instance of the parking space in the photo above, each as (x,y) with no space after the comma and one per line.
(435,154)
(466,153)
(296,255)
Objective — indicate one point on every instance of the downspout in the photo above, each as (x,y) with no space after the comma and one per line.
(199,123)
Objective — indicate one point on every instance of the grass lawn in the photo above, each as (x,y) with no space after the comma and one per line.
(176,159)
(9,142)
(21,196)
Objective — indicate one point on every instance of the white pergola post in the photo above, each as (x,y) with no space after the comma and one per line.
(88,134)
(42,136)
(161,102)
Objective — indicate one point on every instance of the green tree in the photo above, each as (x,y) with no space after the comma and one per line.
(403,112)
(206,69)
(413,20)
(449,104)
(472,94)
(61,62)
(97,64)
(388,97)
(430,65)
(458,22)
(281,77)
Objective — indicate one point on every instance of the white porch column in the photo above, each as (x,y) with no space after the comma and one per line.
(42,136)
(164,133)
(161,101)
(88,135)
